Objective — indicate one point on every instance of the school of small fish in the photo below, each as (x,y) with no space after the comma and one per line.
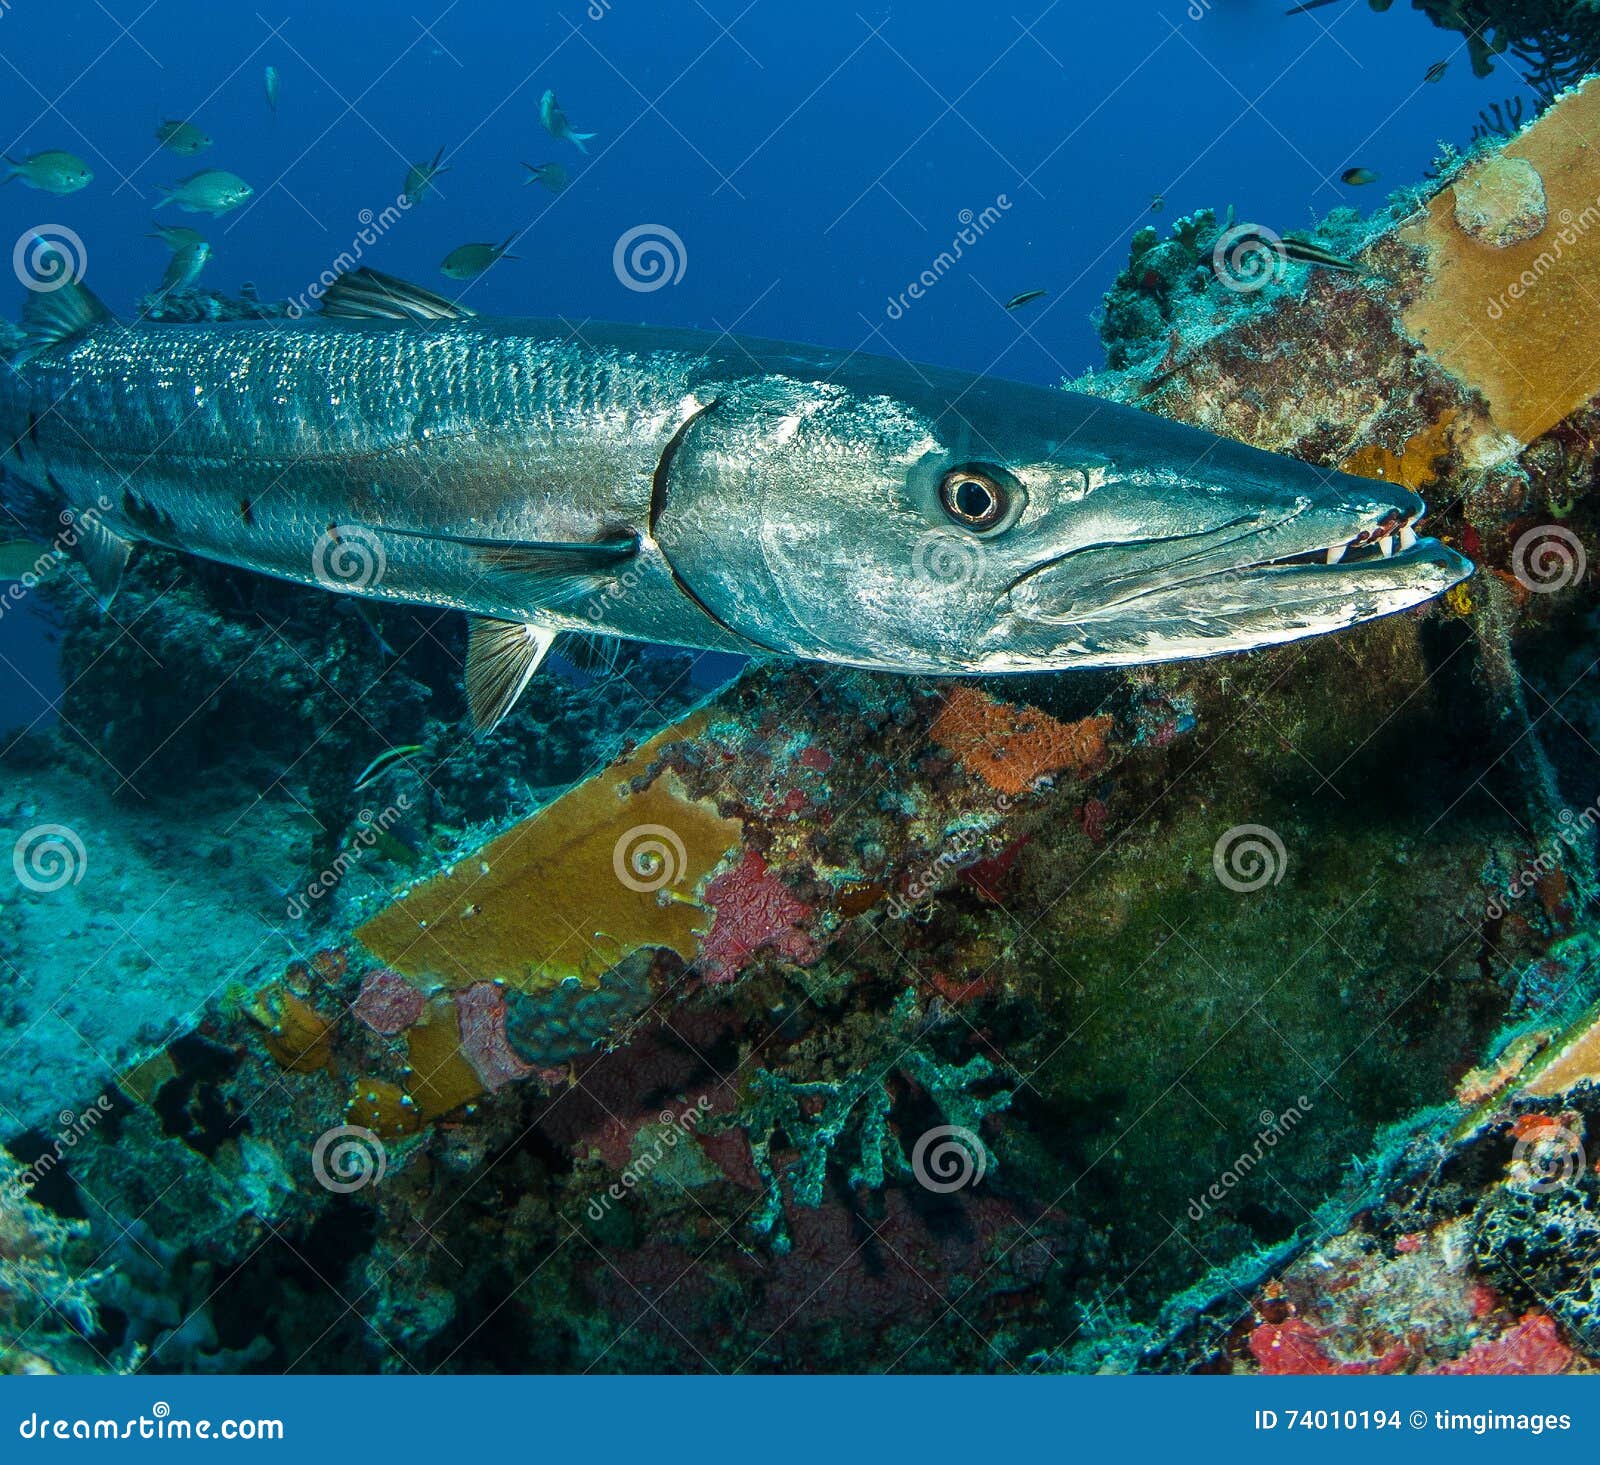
(217,191)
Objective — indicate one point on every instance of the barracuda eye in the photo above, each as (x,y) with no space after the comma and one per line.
(975,498)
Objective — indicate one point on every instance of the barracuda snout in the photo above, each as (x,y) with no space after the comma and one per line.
(952,525)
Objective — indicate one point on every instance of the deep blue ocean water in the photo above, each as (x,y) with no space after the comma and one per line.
(814,161)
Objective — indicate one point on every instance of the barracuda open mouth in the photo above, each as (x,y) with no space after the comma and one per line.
(1379,541)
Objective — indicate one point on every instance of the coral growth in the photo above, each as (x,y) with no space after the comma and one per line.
(817,1119)
(614,866)
(47,1307)
(1011,748)
(1552,42)
(755,912)
(388,1003)
(1506,306)
(295,1032)
(440,1077)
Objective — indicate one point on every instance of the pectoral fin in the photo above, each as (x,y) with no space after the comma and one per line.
(551,570)
(501,657)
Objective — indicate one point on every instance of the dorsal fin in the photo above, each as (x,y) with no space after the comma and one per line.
(501,657)
(50,317)
(363,294)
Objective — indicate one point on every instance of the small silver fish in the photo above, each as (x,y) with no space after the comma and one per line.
(1436,71)
(554,121)
(1025,297)
(552,175)
(183,138)
(269,84)
(214,191)
(50,172)
(176,236)
(420,176)
(471,260)
(183,269)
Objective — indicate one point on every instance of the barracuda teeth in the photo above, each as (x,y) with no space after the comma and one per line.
(1386,545)
(1408,536)
(1337,552)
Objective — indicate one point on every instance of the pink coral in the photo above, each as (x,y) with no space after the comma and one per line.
(1531,1347)
(388,1003)
(1295,1347)
(481,1011)
(755,911)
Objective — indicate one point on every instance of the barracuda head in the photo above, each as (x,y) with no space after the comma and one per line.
(921,521)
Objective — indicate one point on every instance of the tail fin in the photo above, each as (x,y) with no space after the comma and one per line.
(578,139)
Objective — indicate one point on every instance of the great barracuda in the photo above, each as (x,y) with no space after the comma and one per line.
(698,490)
